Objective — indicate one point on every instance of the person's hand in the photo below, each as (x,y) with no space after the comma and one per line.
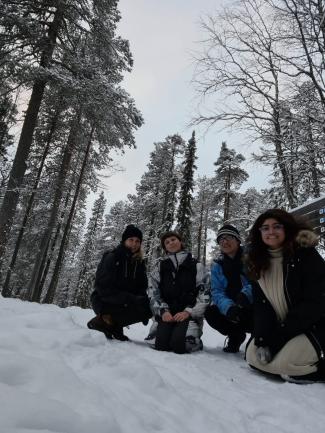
(167,317)
(180,317)
(234,314)
(263,354)
(242,300)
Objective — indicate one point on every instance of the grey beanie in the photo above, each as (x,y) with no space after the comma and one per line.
(228,230)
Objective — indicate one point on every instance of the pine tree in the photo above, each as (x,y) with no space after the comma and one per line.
(184,215)
(89,63)
(90,253)
(229,177)
(202,219)
(34,31)
(8,113)
(99,108)
(246,207)
(156,197)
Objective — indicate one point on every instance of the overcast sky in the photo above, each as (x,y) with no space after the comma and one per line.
(162,36)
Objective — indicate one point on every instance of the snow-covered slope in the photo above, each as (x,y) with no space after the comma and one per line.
(56,376)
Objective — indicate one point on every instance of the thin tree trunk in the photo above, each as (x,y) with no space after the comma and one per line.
(199,237)
(55,277)
(312,159)
(278,144)
(33,289)
(226,209)
(10,201)
(169,175)
(54,241)
(42,277)
(5,290)
(205,237)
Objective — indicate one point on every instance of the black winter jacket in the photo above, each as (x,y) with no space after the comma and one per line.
(304,286)
(178,287)
(119,279)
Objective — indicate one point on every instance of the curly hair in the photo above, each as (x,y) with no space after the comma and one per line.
(258,254)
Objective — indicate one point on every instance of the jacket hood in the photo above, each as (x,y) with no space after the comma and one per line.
(307,238)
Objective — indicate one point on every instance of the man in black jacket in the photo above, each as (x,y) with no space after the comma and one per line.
(120,296)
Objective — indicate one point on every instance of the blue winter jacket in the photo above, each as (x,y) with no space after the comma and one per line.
(219,284)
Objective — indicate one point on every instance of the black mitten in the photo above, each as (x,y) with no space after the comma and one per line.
(242,300)
(234,314)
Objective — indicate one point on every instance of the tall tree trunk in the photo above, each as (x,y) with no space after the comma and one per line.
(41,283)
(199,236)
(312,159)
(10,201)
(170,189)
(205,237)
(5,290)
(55,276)
(33,293)
(151,235)
(281,162)
(226,208)
(42,276)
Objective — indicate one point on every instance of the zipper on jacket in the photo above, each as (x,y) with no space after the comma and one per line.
(126,268)
(176,261)
(285,285)
(135,269)
(321,352)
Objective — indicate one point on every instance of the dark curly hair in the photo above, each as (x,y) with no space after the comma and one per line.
(258,254)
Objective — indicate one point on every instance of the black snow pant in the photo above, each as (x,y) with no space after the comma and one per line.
(171,336)
(222,324)
(124,315)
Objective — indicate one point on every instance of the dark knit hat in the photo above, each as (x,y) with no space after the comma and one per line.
(169,235)
(228,230)
(131,231)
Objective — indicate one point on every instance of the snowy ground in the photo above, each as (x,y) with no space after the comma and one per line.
(56,376)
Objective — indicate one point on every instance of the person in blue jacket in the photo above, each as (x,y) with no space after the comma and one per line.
(231,310)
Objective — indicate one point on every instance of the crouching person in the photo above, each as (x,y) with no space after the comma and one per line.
(231,312)
(289,299)
(179,295)
(120,296)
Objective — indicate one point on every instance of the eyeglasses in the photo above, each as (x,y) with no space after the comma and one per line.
(224,238)
(275,227)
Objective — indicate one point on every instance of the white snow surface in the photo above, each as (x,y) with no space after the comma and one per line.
(57,376)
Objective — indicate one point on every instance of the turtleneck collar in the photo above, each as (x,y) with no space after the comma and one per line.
(276,253)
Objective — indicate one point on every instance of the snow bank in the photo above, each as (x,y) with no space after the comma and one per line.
(56,376)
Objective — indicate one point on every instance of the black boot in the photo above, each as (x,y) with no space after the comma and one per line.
(118,334)
(233,342)
(316,377)
(98,324)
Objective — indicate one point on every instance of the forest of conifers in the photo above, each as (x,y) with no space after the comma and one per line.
(260,69)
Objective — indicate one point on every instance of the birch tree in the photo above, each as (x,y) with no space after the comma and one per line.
(240,74)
